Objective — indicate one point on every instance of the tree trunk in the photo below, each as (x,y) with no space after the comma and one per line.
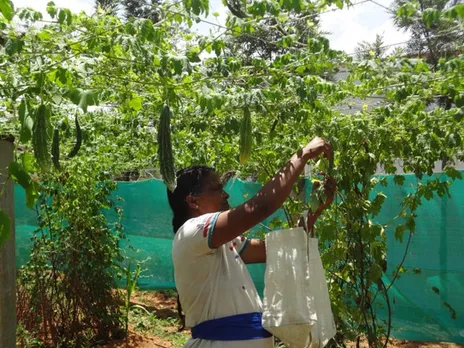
(7,252)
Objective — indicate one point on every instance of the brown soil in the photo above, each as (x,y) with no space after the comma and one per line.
(138,340)
(164,306)
(409,344)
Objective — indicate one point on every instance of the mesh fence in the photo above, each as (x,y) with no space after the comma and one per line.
(434,260)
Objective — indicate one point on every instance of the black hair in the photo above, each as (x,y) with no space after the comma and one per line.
(190,181)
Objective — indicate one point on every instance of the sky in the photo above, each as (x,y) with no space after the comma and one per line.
(347,27)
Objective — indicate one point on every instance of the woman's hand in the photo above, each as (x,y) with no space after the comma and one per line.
(318,146)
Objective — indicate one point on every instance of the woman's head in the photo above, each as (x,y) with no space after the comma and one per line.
(199,191)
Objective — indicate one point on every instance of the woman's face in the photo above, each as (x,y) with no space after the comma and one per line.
(212,198)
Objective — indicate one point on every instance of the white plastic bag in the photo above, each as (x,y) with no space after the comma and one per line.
(296,299)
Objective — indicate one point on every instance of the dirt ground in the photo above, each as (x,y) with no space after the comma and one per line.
(138,340)
(164,305)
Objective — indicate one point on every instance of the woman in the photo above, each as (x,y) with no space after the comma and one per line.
(217,294)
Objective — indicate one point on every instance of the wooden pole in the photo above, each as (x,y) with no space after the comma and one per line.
(7,251)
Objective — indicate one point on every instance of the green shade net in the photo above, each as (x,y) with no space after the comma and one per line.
(419,312)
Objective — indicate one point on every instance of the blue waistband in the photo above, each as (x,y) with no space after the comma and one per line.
(239,327)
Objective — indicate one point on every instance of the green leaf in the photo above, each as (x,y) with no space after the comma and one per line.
(7,9)
(83,98)
(10,47)
(217,46)
(459,100)
(178,18)
(411,224)
(399,179)
(51,9)
(134,280)
(296,5)
(371,232)
(196,7)
(27,161)
(61,16)
(13,46)
(19,175)
(454,140)
(135,103)
(440,191)
(402,269)
(193,55)
(156,61)
(322,165)
(455,12)
(314,201)
(430,16)
(31,195)
(428,194)
(377,204)
(146,30)
(401,12)
(37,16)
(407,10)
(22,111)
(63,75)
(26,121)
(29,14)
(453,173)
(177,64)
(375,272)
(421,66)
(65,15)
(459,115)
(26,129)
(4,227)
(399,231)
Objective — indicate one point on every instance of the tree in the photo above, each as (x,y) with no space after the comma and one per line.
(271,36)
(432,36)
(111,7)
(148,9)
(367,50)
(7,248)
